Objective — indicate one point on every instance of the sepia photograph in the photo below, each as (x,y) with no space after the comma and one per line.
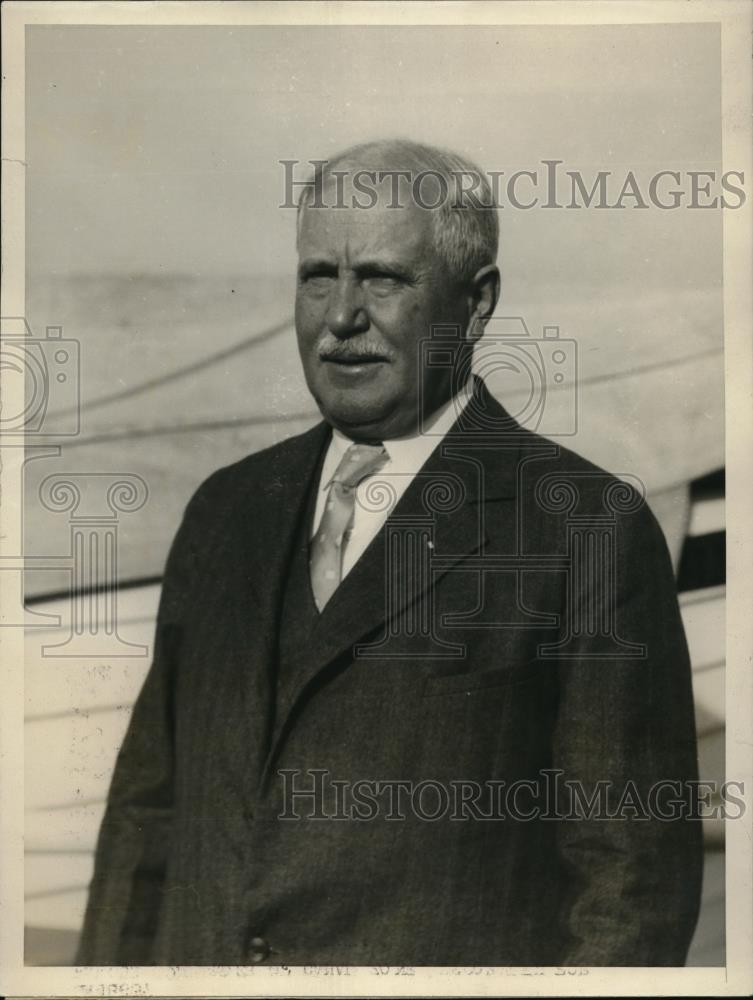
(376,479)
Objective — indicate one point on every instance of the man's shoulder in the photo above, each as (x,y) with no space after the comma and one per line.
(527,462)
(264,467)
(562,478)
(552,456)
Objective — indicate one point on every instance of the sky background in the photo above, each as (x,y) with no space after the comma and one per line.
(157,149)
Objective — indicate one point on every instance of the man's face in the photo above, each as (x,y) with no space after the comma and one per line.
(370,288)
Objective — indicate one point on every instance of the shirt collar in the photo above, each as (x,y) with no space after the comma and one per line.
(409,452)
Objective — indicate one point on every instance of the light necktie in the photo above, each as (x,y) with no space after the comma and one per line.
(326,552)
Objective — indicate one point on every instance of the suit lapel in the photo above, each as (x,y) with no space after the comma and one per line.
(436,523)
(268,516)
(440,520)
(273,513)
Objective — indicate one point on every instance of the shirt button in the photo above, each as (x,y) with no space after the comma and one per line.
(259,950)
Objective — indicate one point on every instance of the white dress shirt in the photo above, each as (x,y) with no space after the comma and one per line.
(406,456)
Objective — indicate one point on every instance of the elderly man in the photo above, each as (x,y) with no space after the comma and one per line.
(420,692)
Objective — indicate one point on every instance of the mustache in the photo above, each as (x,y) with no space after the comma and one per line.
(330,348)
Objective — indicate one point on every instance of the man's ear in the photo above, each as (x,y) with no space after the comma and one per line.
(484,295)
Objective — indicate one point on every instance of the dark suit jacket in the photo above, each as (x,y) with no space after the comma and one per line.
(536,631)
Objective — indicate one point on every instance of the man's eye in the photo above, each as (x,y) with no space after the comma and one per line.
(318,280)
(382,284)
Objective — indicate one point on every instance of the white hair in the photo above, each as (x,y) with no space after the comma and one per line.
(466,228)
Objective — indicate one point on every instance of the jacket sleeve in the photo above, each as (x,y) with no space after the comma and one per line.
(132,849)
(632,883)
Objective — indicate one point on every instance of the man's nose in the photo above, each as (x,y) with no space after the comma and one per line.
(347,315)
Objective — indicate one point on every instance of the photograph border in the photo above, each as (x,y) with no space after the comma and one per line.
(736,978)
